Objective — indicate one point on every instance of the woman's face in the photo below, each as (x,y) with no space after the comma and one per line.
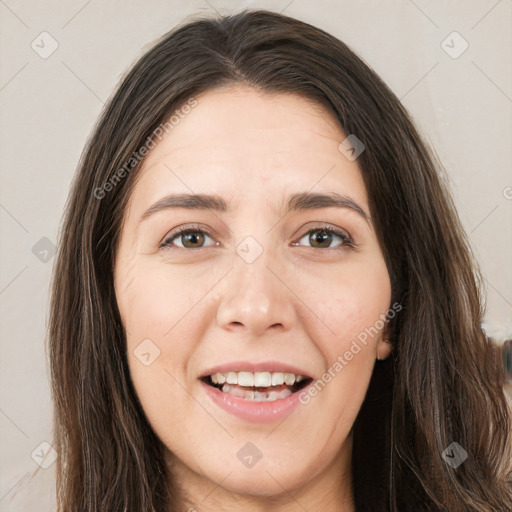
(255,286)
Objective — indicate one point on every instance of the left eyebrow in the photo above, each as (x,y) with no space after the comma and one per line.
(311,201)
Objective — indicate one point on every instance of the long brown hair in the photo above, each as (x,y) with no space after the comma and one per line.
(440,386)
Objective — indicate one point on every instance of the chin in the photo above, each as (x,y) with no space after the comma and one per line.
(263,480)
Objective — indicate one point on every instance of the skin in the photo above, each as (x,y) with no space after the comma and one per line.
(202,304)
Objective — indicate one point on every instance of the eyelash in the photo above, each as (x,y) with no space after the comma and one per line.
(167,243)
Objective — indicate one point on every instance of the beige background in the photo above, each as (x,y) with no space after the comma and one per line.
(462,106)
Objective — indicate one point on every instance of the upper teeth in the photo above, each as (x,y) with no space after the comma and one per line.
(258,379)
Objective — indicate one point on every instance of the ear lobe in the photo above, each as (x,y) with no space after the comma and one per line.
(384,348)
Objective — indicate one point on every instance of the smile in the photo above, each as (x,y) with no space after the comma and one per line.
(257,386)
(255,396)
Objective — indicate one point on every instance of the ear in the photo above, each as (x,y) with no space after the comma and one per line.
(384,345)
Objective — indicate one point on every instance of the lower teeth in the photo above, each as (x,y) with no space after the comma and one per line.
(256,396)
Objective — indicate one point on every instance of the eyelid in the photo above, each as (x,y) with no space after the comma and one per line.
(322,226)
(179,230)
(318,224)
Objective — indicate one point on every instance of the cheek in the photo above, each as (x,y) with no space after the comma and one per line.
(350,301)
(156,299)
(352,305)
(164,322)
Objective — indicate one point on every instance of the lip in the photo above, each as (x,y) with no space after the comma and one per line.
(253,411)
(241,366)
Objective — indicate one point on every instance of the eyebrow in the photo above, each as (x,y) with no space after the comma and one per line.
(296,202)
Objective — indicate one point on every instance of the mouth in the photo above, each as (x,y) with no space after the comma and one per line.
(257,386)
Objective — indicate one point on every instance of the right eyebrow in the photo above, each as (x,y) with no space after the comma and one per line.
(189,201)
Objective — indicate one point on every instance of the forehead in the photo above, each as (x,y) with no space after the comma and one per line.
(242,118)
(241,143)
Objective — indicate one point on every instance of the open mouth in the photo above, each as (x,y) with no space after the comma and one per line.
(258,386)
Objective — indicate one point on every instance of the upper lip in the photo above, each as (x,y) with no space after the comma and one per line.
(264,366)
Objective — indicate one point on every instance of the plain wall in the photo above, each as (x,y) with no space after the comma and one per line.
(461,105)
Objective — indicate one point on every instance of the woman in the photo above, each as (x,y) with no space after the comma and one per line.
(264,298)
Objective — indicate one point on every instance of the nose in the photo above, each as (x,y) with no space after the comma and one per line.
(257,297)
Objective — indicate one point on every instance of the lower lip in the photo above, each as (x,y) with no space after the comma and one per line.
(250,410)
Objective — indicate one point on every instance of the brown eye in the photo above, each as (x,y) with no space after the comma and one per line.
(190,239)
(322,238)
